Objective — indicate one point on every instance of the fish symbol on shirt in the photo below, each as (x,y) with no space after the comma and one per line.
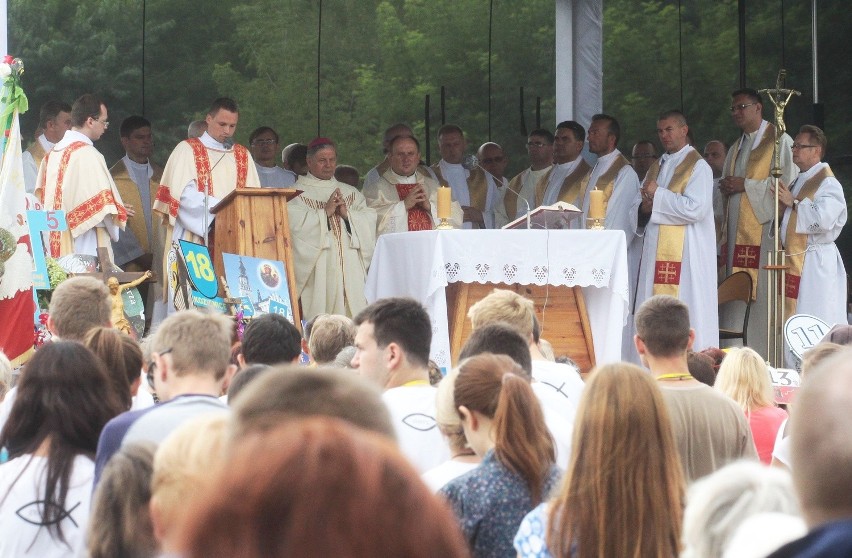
(31,513)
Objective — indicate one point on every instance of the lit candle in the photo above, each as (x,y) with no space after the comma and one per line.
(445,199)
(596,204)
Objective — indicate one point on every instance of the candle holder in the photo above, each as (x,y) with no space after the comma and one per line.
(595,224)
(445,225)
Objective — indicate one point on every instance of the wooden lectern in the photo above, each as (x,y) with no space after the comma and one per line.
(564,322)
(253,222)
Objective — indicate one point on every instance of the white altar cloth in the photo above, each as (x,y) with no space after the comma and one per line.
(421,264)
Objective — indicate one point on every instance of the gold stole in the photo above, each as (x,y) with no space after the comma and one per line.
(37,151)
(797,244)
(670,241)
(477,186)
(749,230)
(606,181)
(129,192)
(575,183)
(510,199)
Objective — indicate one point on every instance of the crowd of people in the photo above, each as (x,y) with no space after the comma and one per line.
(198,443)
(206,440)
(689,220)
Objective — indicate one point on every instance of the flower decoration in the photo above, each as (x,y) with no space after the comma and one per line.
(11,70)
(241,324)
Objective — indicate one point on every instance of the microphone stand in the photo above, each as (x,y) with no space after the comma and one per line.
(471,161)
(228,144)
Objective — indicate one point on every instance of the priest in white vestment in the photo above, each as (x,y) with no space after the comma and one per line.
(570,170)
(199,173)
(749,207)
(374,174)
(74,177)
(263,143)
(403,197)
(333,232)
(465,178)
(493,160)
(613,175)
(675,217)
(54,120)
(814,212)
(526,190)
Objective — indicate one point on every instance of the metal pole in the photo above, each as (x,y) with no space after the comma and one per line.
(143,56)
(741,13)
(490,28)
(426,122)
(319,58)
(814,60)
(443,105)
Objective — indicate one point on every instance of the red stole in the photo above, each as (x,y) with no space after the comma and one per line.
(418,218)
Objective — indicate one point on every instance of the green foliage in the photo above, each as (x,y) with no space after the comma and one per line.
(380,58)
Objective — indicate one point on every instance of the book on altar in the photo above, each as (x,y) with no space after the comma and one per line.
(556,216)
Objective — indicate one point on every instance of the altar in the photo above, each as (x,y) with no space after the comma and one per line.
(422,265)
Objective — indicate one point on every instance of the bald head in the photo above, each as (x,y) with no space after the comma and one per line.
(714,154)
(822,447)
(492,159)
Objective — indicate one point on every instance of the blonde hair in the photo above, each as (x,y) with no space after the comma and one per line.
(79,304)
(504,306)
(719,503)
(330,334)
(183,463)
(744,377)
(197,341)
(446,413)
(623,492)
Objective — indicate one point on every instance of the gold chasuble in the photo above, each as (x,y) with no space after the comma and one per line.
(671,237)
(510,198)
(37,151)
(76,179)
(797,244)
(477,186)
(130,195)
(749,229)
(575,184)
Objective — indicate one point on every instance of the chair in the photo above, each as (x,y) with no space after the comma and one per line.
(736,287)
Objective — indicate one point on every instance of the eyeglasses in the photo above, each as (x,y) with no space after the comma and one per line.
(536,144)
(741,106)
(104,122)
(498,159)
(152,366)
(802,146)
(264,142)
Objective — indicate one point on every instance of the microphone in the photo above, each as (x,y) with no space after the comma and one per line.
(228,143)
(470,162)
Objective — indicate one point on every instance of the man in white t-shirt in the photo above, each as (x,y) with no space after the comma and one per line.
(392,350)
(519,312)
